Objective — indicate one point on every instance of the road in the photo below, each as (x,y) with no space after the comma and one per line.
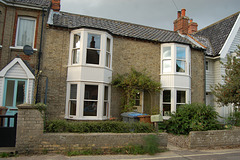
(173,154)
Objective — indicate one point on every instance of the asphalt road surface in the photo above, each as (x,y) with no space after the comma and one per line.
(173,154)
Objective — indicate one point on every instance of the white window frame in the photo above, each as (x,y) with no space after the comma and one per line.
(16,38)
(177,97)
(174,59)
(81,98)
(83,48)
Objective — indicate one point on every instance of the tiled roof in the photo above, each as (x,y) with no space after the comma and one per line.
(218,33)
(33,3)
(73,21)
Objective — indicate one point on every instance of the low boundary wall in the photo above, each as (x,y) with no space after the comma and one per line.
(31,139)
(207,139)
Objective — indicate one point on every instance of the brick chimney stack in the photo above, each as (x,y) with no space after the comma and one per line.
(56,5)
(192,27)
(182,24)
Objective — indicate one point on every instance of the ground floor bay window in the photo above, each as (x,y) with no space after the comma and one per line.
(88,101)
(172,99)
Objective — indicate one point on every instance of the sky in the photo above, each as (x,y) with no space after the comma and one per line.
(154,13)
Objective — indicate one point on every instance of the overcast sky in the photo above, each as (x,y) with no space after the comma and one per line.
(155,13)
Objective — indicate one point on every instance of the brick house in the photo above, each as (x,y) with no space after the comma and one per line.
(81,55)
(20,25)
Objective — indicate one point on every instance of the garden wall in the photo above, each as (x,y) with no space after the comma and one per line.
(31,139)
(207,139)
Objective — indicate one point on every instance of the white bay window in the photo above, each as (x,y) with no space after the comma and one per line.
(175,76)
(89,67)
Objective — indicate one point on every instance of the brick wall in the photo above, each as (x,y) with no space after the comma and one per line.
(214,139)
(8,33)
(31,139)
(207,139)
(197,72)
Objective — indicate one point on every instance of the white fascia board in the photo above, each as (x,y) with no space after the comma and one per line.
(230,38)
(13,62)
(22,6)
(50,17)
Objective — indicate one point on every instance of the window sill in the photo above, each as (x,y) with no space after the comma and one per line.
(87,118)
(19,48)
(90,66)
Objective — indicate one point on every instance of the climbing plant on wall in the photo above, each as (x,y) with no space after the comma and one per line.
(133,83)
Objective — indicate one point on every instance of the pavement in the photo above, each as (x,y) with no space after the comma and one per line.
(174,153)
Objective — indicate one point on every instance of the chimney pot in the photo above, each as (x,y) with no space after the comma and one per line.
(56,5)
(179,14)
(183,12)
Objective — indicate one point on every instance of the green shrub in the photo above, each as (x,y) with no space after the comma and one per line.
(234,118)
(193,117)
(151,144)
(95,127)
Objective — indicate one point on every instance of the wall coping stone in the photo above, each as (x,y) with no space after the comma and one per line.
(26,106)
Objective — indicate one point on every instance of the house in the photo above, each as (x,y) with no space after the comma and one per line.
(75,58)
(20,25)
(221,39)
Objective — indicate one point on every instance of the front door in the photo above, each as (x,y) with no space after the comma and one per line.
(14,94)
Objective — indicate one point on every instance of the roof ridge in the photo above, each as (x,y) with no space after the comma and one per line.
(75,14)
(217,22)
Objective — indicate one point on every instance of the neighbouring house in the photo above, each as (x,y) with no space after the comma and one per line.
(20,25)
(75,57)
(221,39)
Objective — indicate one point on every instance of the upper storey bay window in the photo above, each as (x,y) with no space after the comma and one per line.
(25,31)
(90,47)
(175,59)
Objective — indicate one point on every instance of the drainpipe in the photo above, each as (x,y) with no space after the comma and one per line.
(205,83)
(39,56)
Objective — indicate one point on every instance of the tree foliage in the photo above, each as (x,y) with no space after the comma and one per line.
(229,91)
(133,83)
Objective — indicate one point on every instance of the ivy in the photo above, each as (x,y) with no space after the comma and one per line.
(133,83)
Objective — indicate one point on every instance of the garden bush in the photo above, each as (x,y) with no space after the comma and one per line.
(193,117)
(95,127)
(234,118)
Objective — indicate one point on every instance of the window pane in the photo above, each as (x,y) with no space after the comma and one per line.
(108,59)
(166,52)
(137,100)
(94,41)
(166,109)
(73,106)
(90,108)
(73,91)
(167,66)
(207,65)
(92,56)
(75,56)
(181,53)
(166,96)
(105,109)
(108,44)
(106,93)
(10,93)
(91,92)
(181,97)
(180,66)
(76,40)
(20,92)
(26,29)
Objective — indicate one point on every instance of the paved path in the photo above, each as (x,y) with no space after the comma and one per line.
(174,154)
